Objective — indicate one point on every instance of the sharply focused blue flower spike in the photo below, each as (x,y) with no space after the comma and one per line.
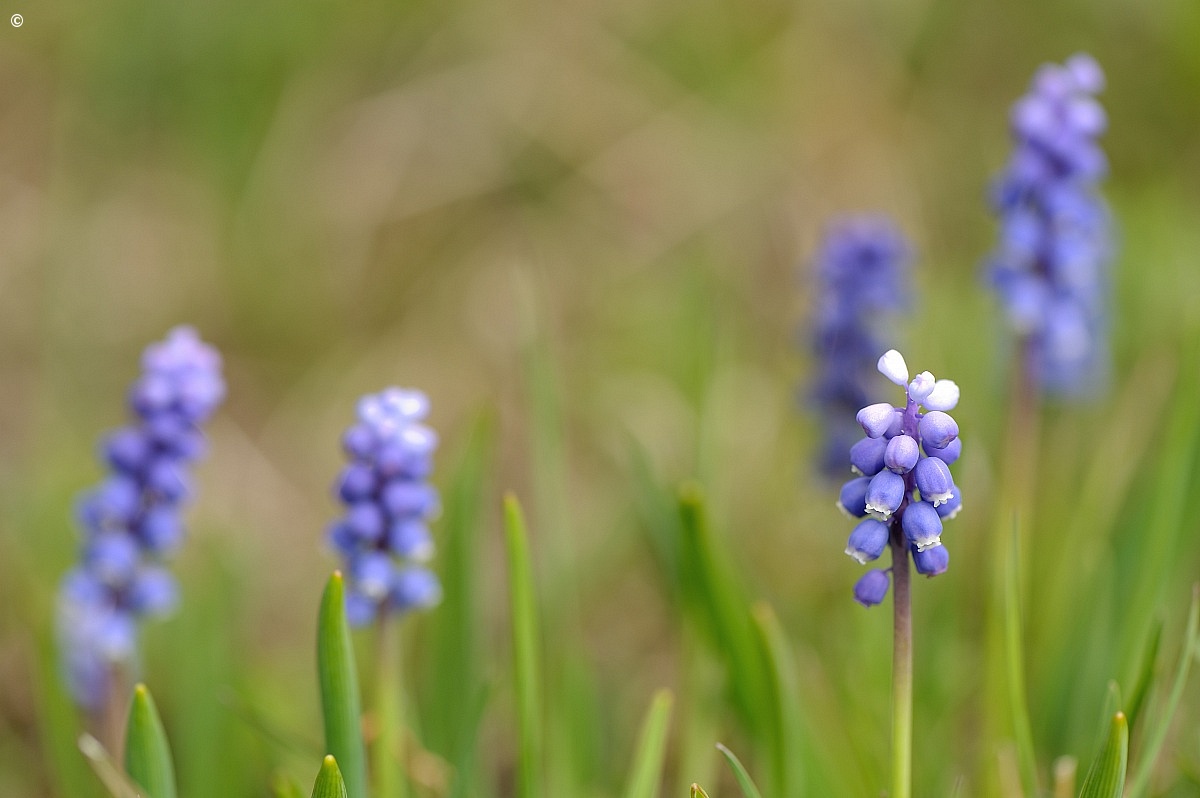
(383,536)
(132,520)
(861,273)
(902,489)
(1050,267)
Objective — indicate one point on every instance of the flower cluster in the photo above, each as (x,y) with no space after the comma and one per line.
(383,535)
(131,521)
(861,270)
(1055,244)
(903,491)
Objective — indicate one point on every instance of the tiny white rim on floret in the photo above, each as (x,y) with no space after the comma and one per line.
(856,555)
(938,499)
(944,396)
(891,365)
(879,513)
(930,544)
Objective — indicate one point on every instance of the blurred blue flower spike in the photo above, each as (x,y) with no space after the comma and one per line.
(131,521)
(861,274)
(383,535)
(1050,267)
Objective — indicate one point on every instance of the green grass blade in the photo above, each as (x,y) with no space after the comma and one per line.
(450,716)
(111,776)
(1145,675)
(1106,777)
(646,774)
(717,599)
(739,772)
(786,752)
(330,783)
(526,666)
(338,677)
(698,792)
(1015,662)
(1157,734)
(389,695)
(147,753)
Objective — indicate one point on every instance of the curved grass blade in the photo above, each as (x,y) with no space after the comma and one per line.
(786,751)
(525,651)
(147,753)
(646,774)
(338,677)
(717,599)
(1157,734)
(739,772)
(1015,660)
(329,780)
(1106,776)
(111,776)
(698,792)
(1137,695)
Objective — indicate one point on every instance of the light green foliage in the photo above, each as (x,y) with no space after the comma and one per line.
(337,676)
(1106,777)
(646,773)
(329,782)
(526,651)
(749,790)
(147,753)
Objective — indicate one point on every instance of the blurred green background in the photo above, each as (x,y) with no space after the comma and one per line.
(581,228)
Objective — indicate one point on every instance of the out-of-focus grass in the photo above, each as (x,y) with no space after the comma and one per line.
(588,219)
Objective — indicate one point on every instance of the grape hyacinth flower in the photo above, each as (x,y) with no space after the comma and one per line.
(1050,267)
(861,271)
(383,536)
(132,521)
(902,488)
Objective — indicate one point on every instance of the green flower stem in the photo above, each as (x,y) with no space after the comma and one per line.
(388,697)
(902,672)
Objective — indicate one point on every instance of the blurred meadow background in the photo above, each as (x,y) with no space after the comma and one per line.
(583,229)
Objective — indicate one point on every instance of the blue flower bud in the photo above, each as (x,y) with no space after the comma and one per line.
(365,520)
(875,419)
(153,592)
(922,525)
(921,386)
(415,588)
(944,396)
(113,557)
(902,454)
(357,483)
(359,442)
(871,588)
(931,561)
(166,480)
(866,456)
(884,494)
(949,508)
(949,453)
(937,430)
(127,449)
(853,498)
(932,477)
(361,609)
(897,425)
(161,530)
(868,540)
(372,573)
(410,540)
(891,365)
(404,499)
